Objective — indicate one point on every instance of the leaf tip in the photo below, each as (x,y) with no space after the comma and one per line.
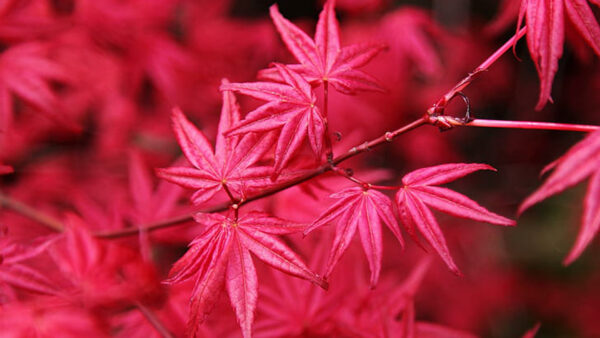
(321,282)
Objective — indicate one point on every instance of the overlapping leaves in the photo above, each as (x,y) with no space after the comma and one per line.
(221,255)
(15,272)
(231,163)
(580,162)
(291,108)
(546,31)
(323,59)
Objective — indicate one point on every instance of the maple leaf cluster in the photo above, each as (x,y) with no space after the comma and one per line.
(178,168)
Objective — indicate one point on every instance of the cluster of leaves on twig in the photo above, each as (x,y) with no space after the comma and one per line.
(281,185)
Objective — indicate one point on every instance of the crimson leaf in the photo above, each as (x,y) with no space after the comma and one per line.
(291,108)
(545,35)
(418,193)
(322,59)
(365,210)
(221,255)
(580,162)
(230,164)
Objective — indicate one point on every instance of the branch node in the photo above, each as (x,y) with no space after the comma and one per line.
(389,136)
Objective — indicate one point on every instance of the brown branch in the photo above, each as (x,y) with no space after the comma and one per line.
(31,213)
(431,117)
(364,147)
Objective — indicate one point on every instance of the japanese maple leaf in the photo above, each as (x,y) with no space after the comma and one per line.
(25,72)
(50,318)
(419,192)
(100,273)
(391,312)
(365,210)
(291,307)
(14,272)
(578,163)
(149,204)
(221,255)
(230,164)
(545,35)
(322,60)
(402,301)
(291,108)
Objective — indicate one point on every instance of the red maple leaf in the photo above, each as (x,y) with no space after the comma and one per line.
(221,255)
(545,35)
(390,312)
(25,72)
(229,165)
(100,273)
(14,272)
(290,307)
(418,193)
(50,318)
(580,162)
(365,210)
(291,107)
(322,60)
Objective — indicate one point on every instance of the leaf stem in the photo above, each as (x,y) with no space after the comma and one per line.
(31,213)
(152,319)
(328,146)
(531,125)
(386,187)
(438,107)
(347,173)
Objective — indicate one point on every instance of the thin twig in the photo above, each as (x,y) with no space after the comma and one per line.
(31,213)
(439,106)
(366,146)
(531,125)
(154,320)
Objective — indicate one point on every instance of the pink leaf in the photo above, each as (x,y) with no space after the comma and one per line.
(300,44)
(24,277)
(365,209)
(583,18)
(458,205)
(531,333)
(369,228)
(344,232)
(323,59)
(429,228)
(418,193)
(591,219)
(442,174)
(578,163)
(278,255)
(194,144)
(291,108)
(327,36)
(242,285)
(231,164)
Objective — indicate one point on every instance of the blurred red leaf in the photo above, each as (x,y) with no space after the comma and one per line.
(578,163)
